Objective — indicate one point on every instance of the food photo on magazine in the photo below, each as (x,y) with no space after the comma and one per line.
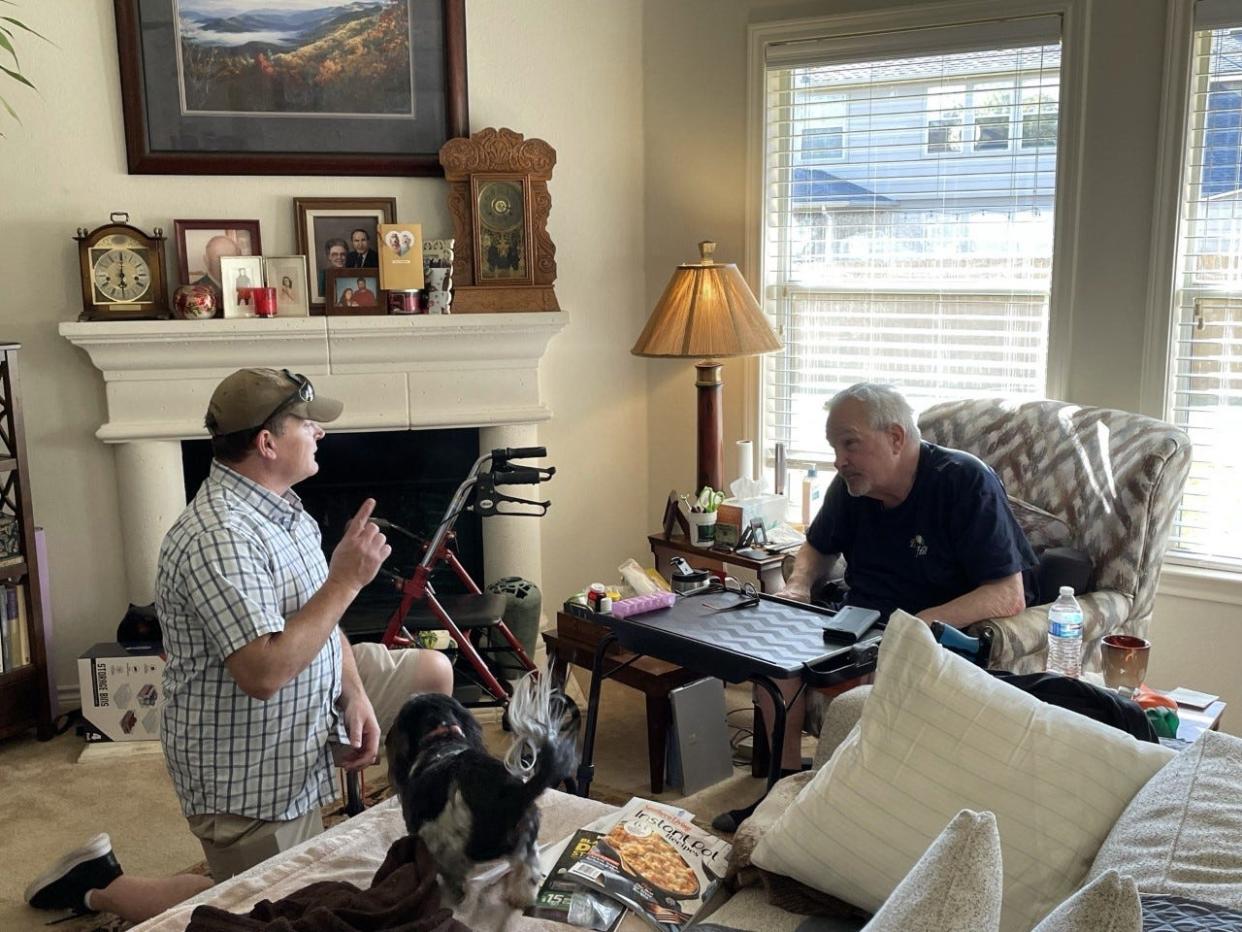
(653,859)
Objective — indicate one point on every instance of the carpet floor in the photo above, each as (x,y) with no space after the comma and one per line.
(56,798)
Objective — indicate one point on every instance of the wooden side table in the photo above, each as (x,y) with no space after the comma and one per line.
(574,642)
(768,569)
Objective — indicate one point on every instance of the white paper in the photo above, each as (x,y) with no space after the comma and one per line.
(745,460)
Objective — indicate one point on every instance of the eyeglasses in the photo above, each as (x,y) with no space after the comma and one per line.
(305,392)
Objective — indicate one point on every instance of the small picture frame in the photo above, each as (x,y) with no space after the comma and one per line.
(239,274)
(287,274)
(354,292)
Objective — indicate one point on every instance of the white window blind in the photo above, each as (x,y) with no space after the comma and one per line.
(1205,395)
(919,252)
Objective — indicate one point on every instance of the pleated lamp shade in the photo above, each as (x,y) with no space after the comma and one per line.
(707,310)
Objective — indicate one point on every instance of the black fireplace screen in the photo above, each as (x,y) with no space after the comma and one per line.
(410,474)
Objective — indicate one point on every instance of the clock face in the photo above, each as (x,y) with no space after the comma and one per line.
(120,271)
(500,205)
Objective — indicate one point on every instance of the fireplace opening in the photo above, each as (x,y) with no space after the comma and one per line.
(411,475)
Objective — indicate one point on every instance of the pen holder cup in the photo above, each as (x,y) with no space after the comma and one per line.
(702,528)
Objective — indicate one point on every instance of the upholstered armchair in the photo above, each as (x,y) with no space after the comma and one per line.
(1108,481)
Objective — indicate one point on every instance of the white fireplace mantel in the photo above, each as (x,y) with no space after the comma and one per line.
(391,372)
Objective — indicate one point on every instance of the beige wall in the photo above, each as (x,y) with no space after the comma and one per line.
(65,167)
(695,151)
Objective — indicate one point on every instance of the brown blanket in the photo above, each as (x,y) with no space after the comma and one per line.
(403,897)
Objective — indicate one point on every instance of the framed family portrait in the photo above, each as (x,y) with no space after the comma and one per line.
(313,87)
(201,244)
(238,275)
(339,233)
(354,291)
(287,274)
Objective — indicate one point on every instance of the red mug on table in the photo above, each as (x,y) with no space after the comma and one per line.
(1123,658)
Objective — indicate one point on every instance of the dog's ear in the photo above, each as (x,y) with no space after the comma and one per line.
(398,747)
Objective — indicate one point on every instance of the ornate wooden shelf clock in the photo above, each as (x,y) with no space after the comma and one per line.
(122,272)
(503,259)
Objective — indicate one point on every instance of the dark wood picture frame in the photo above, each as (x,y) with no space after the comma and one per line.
(305,212)
(144,159)
(181,227)
(332,309)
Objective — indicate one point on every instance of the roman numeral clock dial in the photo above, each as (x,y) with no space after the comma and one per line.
(122,272)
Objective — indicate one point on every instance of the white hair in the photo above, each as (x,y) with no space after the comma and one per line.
(885,406)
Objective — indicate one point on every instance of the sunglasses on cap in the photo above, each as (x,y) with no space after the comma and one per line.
(305,392)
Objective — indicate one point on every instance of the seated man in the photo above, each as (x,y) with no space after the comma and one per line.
(922,528)
(263,693)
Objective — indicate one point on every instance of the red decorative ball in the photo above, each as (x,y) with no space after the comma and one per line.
(195,302)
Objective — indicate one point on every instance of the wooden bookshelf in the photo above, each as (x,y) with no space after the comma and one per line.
(25,687)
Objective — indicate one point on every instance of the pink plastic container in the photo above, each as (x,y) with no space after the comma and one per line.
(638,604)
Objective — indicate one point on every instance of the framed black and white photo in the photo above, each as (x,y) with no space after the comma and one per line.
(304,87)
(238,275)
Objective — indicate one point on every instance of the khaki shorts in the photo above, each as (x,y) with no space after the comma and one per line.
(233,843)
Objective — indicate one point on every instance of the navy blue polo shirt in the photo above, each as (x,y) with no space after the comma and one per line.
(953,533)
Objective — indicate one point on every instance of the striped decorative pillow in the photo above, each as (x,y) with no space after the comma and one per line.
(939,735)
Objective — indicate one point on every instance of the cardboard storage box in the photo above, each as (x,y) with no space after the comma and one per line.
(122,691)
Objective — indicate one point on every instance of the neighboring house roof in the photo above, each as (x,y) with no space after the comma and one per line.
(936,68)
(818,186)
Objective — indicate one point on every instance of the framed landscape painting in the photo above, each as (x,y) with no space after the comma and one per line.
(303,87)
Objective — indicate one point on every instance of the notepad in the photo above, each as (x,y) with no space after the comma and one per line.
(1192,698)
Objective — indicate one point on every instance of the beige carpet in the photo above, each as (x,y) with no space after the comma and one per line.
(53,802)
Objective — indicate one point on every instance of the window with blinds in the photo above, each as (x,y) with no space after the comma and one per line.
(908,218)
(1205,388)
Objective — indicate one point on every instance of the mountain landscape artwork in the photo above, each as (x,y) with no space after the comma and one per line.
(295,57)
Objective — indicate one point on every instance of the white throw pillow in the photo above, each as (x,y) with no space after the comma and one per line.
(938,735)
(1182,833)
(1110,903)
(954,887)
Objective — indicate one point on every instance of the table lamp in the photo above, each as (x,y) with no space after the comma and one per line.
(707,312)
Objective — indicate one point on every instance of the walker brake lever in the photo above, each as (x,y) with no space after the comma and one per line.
(486,506)
(385,525)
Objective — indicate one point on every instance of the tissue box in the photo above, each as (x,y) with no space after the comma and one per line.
(739,511)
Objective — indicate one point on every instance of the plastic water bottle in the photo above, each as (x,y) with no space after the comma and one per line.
(1065,634)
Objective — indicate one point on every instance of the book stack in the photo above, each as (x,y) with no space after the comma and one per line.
(14,639)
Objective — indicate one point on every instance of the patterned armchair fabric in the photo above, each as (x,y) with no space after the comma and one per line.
(1113,477)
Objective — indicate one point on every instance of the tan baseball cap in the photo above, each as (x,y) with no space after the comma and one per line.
(248,397)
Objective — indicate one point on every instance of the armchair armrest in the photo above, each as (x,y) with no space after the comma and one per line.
(1020,642)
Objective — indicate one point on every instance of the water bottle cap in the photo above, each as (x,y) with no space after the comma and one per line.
(1067,590)
(812,471)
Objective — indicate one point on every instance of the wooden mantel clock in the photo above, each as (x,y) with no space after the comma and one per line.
(503,259)
(122,272)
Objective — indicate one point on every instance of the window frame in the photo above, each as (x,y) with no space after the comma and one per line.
(932,16)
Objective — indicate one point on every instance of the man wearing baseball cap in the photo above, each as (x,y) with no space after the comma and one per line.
(262,689)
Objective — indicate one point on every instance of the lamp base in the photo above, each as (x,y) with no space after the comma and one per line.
(711,424)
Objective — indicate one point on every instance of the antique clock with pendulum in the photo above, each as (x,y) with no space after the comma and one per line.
(122,272)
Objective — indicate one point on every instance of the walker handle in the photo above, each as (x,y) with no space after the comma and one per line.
(518,453)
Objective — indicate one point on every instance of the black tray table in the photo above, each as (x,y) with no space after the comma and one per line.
(775,639)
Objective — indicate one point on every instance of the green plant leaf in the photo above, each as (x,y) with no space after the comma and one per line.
(20,25)
(8,46)
(12,112)
(18,76)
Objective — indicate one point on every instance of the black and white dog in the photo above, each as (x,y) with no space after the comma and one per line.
(467,806)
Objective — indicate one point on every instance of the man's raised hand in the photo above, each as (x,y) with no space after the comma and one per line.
(361,552)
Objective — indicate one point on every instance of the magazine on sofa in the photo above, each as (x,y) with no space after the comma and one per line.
(563,899)
(656,862)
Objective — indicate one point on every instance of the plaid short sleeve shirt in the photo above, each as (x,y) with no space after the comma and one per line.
(238,561)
